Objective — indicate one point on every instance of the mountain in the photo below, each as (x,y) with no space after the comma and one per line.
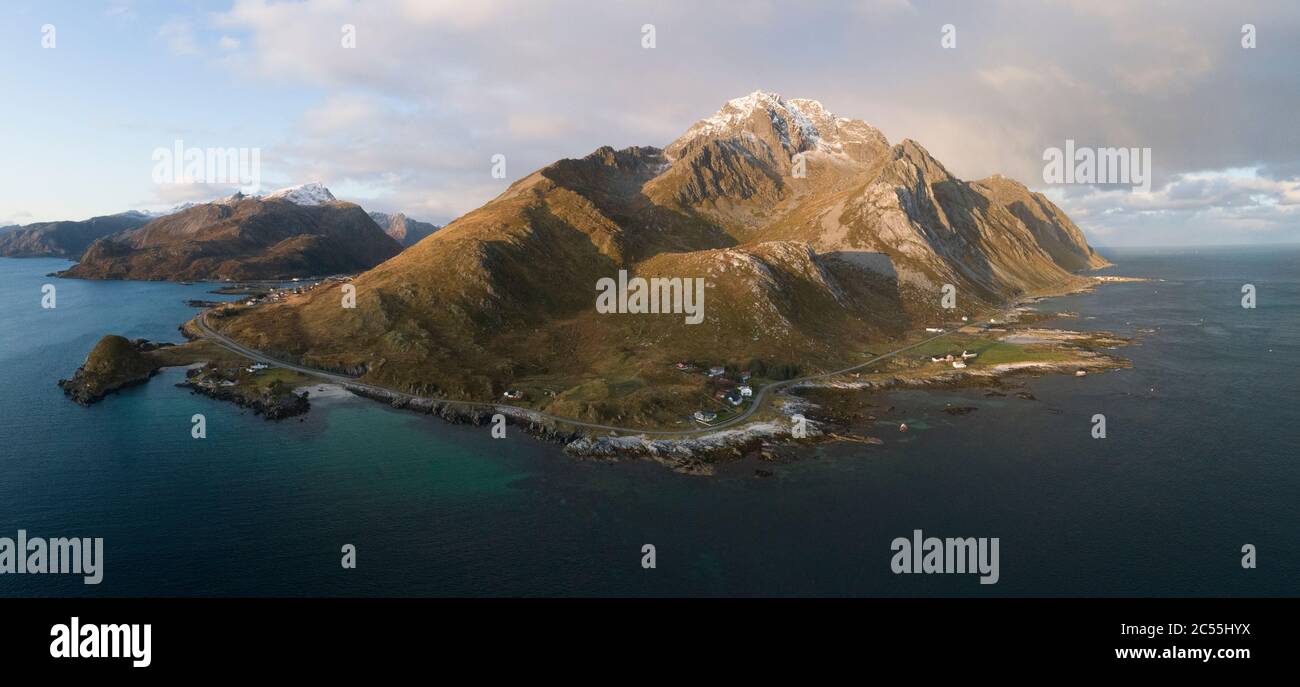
(817,240)
(403,229)
(64,239)
(308,194)
(296,232)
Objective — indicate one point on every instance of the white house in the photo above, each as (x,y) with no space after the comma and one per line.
(958,364)
(717,371)
(746,391)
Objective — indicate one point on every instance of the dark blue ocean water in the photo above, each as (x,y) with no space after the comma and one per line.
(1200,459)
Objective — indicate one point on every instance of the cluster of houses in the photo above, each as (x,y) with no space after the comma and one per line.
(735,396)
(225,377)
(958,361)
(732,390)
(278,294)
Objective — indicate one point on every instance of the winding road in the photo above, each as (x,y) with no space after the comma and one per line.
(759,396)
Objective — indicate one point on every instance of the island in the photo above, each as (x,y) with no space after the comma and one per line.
(827,264)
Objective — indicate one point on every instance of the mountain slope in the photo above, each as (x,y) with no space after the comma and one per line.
(800,270)
(293,233)
(64,239)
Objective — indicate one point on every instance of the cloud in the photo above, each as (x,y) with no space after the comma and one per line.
(122,10)
(1221,206)
(16,218)
(434,88)
(179,36)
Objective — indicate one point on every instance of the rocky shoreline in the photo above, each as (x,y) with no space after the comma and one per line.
(693,455)
(84,392)
(272,408)
(461,414)
(770,437)
(767,436)
(116,363)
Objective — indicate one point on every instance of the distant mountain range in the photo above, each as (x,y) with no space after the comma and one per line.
(815,235)
(64,239)
(403,229)
(297,232)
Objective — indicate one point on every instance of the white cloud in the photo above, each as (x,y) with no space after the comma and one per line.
(179,36)
(434,88)
(1220,206)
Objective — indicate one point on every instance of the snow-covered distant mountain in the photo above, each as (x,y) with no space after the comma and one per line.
(313,193)
(169,211)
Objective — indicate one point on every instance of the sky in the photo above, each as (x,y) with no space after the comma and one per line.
(409,119)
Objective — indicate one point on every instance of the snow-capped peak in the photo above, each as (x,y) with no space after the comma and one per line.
(798,124)
(169,211)
(313,193)
(738,110)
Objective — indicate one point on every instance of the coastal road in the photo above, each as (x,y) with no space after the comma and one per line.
(759,396)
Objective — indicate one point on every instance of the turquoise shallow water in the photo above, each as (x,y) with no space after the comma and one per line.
(1200,459)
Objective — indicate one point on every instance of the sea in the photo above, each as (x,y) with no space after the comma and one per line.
(1199,463)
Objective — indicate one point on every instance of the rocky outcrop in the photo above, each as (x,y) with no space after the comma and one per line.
(269,406)
(113,364)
